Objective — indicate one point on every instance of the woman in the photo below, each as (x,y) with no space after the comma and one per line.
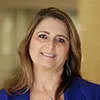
(50,57)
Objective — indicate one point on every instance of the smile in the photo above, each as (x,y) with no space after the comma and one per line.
(48,55)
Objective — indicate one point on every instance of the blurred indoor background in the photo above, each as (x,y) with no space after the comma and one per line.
(16,15)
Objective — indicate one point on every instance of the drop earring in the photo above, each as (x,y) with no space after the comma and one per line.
(68,69)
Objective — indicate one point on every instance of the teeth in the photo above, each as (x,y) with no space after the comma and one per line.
(48,55)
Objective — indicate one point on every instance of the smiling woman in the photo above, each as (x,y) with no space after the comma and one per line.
(50,43)
(50,57)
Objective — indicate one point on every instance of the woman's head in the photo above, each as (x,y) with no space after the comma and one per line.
(49,45)
(73,51)
(74,56)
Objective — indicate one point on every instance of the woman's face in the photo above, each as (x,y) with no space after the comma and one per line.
(49,45)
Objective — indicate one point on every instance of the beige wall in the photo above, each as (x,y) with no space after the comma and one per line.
(13,25)
(89,16)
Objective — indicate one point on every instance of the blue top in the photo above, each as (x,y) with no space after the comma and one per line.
(79,90)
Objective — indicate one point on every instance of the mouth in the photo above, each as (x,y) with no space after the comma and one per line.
(50,55)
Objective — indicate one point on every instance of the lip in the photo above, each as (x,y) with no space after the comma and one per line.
(50,55)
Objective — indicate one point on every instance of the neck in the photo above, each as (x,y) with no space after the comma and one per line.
(46,80)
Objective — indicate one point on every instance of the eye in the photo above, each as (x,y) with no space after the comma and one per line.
(43,36)
(60,40)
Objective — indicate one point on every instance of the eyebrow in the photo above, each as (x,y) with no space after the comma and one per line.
(43,32)
(66,37)
(59,35)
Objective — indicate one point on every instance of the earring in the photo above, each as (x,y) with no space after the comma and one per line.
(68,69)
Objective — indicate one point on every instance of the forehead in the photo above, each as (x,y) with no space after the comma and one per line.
(52,24)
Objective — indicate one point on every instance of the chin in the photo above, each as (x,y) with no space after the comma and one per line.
(46,66)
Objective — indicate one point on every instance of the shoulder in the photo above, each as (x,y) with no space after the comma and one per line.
(88,89)
(81,89)
(86,84)
(3,95)
(15,95)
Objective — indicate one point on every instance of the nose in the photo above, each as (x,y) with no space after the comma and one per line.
(50,44)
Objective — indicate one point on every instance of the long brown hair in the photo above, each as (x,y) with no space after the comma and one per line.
(25,77)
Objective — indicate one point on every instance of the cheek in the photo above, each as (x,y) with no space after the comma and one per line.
(34,42)
(65,50)
(33,46)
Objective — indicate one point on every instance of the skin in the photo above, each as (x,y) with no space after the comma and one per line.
(49,48)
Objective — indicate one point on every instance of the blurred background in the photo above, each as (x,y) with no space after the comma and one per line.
(16,15)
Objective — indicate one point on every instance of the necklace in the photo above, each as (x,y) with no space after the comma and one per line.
(50,98)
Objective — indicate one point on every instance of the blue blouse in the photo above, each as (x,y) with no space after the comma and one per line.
(79,90)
